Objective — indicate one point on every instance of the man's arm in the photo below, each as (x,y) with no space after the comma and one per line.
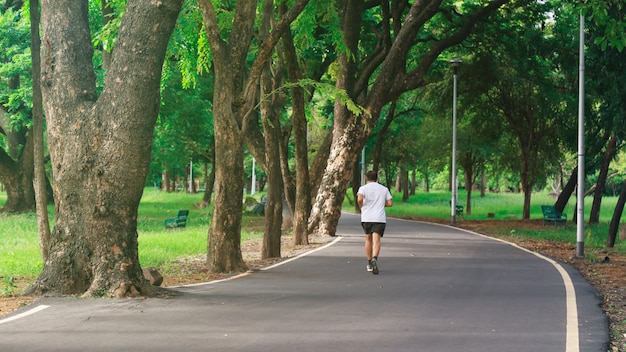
(389,203)
(359,200)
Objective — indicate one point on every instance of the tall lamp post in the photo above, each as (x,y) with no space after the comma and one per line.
(580,194)
(455,66)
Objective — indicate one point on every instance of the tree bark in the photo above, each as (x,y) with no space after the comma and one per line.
(319,164)
(17,178)
(40,181)
(274,204)
(302,208)
(235,93)
(272,132)
(100,146)
(594,214)
(567,191)
(208,186)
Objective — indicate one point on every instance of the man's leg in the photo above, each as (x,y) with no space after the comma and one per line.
(375,252)
(375,244)
(369,246)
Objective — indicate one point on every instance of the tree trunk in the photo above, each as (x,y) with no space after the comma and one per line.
(404,176)
(378,148)
(567,191)
(17,177)
(224,239)
(483,182)
(344,153)
(40,181)
(302,208)
(594,215)
(468,189)
(356,183)
(318,167)
(100,147)
(617,216)
(166,185)
(393,78)
(208,187)
(234,98)
(272,132)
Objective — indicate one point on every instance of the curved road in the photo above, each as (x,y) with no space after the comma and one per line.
(439,289)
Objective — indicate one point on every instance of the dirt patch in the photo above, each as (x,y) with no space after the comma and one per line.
(605,270)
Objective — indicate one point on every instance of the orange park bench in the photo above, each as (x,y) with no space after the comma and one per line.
(179,221)
(550,215)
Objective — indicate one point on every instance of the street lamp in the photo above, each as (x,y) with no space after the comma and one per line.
(455,65)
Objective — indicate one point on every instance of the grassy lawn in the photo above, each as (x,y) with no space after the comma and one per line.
(158,247)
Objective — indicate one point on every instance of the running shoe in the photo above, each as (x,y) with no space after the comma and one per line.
(375,266)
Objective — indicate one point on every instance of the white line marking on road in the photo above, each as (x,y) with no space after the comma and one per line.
(303,254)
(572,343)
(27,313)
(265,268)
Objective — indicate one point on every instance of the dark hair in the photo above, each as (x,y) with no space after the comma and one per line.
(371,175)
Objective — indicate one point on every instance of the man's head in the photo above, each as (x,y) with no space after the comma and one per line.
(371,176)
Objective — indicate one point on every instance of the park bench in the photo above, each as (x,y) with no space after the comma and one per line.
(458,209)
(550,215)
(179,221)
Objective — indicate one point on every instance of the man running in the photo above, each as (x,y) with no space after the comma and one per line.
(372,199)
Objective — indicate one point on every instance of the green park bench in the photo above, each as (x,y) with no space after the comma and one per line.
(550,215)
(179,221)
(458,209)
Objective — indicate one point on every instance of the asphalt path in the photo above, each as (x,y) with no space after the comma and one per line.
(439,289)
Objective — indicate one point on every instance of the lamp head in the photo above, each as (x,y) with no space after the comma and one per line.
(455,61)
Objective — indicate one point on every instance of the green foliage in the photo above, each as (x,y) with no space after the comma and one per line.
(330,92)
(15,62)
(609,16)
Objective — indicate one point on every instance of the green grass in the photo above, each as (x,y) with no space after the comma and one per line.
(19,250)
(158,247)
(509,206)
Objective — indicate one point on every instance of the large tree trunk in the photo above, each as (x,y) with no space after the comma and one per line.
(594,215)
(272,131)
(233,101)
(343,154)
(274,204)
(100,147)
(224,240)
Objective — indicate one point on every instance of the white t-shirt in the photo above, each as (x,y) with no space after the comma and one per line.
(375,196)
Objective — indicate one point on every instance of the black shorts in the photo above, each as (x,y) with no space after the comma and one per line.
(371,227)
